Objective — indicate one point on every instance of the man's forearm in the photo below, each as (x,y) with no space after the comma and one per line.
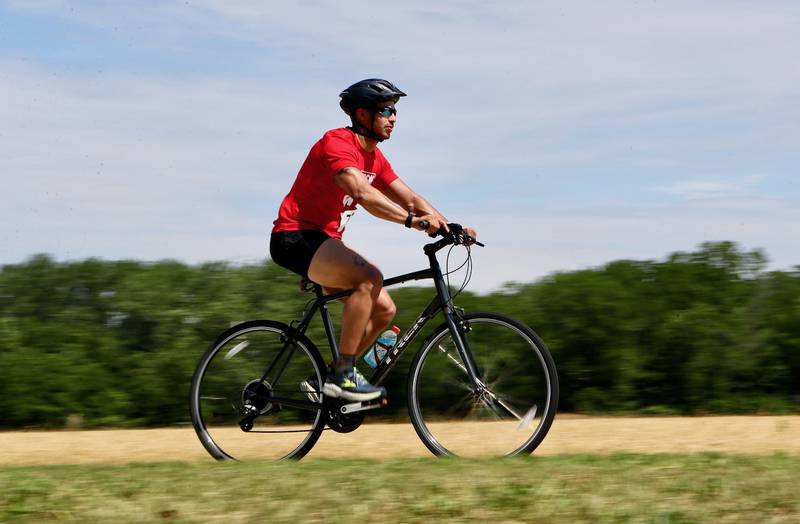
(377,204)
(421,206)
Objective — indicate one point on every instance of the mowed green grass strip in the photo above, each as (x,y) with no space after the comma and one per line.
(609,488)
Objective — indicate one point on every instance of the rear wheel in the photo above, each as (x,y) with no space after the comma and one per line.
(256,395)
(508,413)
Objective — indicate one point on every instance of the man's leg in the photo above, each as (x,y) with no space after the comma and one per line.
(336,266)
(382,314)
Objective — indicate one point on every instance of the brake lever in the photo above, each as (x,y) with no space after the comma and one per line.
(474,241)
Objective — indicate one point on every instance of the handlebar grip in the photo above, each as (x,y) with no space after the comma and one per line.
(456,233)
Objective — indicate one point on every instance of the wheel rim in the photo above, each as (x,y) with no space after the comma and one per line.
(509,414)
(229,388)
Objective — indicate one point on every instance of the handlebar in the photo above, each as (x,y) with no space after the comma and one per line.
(455,235)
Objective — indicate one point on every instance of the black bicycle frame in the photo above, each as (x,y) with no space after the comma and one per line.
(442,301)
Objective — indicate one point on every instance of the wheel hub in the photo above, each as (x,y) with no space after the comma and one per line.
(255,402)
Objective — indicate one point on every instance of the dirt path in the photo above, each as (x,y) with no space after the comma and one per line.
(570,434)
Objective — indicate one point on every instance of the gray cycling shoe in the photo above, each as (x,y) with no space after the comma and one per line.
(351,385)
(310,387)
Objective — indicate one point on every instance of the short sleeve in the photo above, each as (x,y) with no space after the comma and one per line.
(338,152)
(385,174)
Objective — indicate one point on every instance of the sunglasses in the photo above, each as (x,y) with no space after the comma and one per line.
(387,111)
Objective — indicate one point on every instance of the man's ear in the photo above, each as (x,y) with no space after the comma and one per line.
(362,115)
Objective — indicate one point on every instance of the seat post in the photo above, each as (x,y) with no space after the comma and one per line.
(328,325)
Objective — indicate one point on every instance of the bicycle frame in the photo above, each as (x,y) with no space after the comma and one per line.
(442,301)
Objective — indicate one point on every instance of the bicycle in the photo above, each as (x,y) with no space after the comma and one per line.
(478,368)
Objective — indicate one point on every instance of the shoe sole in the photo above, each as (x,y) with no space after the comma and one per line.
(310,391)
(332,390)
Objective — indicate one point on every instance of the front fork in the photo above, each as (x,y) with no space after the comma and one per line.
(457,327)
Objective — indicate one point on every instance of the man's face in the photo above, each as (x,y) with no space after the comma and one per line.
(383,123)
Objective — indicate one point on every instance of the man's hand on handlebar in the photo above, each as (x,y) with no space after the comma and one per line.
(431,224)
(458,234)
(472,234)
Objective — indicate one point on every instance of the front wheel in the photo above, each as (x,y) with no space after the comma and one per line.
(256,394)
(507,412)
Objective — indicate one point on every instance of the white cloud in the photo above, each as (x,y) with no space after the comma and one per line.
(153,164)
(699,189)
(138,156)
(711,189)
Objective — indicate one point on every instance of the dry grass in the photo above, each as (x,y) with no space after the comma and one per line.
(749,435)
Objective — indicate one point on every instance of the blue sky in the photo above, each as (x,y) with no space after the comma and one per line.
(569,134)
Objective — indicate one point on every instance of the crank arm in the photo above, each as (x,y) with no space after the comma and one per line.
(363,406)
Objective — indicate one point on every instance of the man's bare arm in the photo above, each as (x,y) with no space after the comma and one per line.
(399,192)
(355,184)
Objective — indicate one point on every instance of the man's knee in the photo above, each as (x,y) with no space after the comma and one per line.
(371,281)
(385,310)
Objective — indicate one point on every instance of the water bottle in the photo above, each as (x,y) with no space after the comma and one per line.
(385,342)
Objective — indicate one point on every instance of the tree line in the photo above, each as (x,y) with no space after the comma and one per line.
(114,343)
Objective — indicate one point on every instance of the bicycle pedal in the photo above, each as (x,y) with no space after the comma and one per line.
(365,405)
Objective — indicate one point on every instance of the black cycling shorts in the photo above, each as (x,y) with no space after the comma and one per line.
(295,249)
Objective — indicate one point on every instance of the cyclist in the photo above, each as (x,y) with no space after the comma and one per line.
(343,169)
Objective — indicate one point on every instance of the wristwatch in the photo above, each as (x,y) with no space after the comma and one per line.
(410,217)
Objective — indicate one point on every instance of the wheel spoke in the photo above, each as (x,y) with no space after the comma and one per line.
(236,349)
(454,360)
(528,418)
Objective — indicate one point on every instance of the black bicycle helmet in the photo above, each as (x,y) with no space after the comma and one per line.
(368,94)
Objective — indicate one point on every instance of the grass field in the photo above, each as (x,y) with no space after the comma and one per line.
(568,488)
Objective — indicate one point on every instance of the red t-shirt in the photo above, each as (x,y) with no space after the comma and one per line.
(315,201)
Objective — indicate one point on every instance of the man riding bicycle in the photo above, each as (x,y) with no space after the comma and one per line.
(343,169)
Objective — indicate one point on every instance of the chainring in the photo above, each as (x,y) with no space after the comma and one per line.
(338,421)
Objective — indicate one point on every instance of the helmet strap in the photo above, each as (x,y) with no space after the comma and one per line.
(358,129)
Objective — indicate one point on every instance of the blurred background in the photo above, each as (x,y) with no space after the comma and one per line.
(96,343)
(631,167)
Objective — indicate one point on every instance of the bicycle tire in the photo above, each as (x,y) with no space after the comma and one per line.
(521,388)
(229,373)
